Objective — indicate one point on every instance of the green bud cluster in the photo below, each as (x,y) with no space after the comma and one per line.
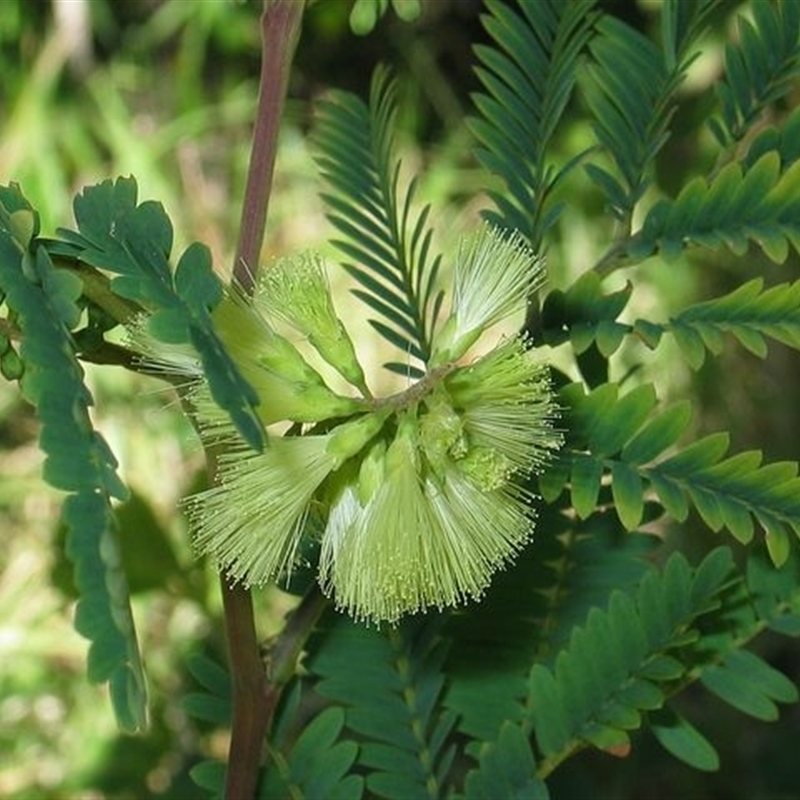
(422,491)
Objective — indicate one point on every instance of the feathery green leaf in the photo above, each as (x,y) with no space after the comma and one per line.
(630,86)
(607,431)
(749,313)
(387,246)
(391,702)
(133,241)
(528,76)
(78,460)
(603,681)
(760,203)
(760,68)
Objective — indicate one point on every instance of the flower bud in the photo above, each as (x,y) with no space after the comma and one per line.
(296,290)
(350,438)
(372,472)
(289,388)
(441,430)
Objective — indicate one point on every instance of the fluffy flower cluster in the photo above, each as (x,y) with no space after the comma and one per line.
(423,492)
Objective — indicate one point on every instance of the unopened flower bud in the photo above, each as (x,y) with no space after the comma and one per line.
(297,291)
(350,438)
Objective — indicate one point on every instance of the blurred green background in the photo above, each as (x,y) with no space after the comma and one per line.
(165,90)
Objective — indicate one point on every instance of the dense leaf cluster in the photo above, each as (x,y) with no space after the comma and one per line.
(590,635)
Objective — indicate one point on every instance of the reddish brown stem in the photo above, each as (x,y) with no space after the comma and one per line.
(252,702)
(254,697)
(280,29)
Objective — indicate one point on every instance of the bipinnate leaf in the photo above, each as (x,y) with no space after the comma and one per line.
(317,765)
(528,76)
(586,315)
(133,241)
(760,68)
(759,203)
(630,85)
(386,244)
(391,702)
(506,769)
(619,436)
(749,313)
(78,460)
(606,677)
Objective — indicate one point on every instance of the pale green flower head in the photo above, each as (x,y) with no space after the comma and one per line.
(252,522)
(297,291)
(371,554)
(507,405)
(494,275)
(421,491)
(419,543)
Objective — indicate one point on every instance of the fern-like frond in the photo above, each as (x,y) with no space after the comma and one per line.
(618,437)
(584,314)
(570,567)
(308,758)
(528,76)
(760,204)
(506,769)
(682,21)
(748,313)
(623,662)
(785,141)
(760,68)
(387,244)
(391,702)
(733,492)
(630,87)
(317,763)
(78,460)
(680,625)
(133,241)
(599,556)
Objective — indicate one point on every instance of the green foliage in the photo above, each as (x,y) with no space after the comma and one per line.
(737,206)
(759,70)
(133,241)
(42,303)
(630,88)
(387,245)
(312,763)
(612,435)
(365,13)
(598,625)
(529,77)
(637,648)
(506,769)
(391,703)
